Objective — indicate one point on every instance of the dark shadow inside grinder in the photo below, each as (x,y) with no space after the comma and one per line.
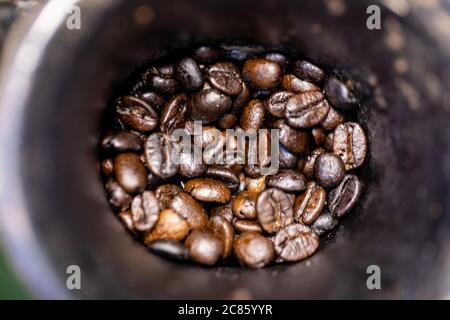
(400,223)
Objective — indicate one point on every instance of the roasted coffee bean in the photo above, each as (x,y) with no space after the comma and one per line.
(208,190)
(191,167)
(293,84)
(137,114)
(164,193)
(332,120)
(169,248)
(328,144)
(277,103)
(244,205)
(170,225)
(225,77)
(174,114)
(189,75)
(228,121)
(318,136)
(308,71)
(287,159)
(308,168)
(223,230)
(279,58)
(306,110)
(350,143)
(255,185)
(155,100)
(223,211)
(159,150)
(287,180)
(130,172)
(301,164)
(121,142)
(325,223)
(187,207)
(262,73)
(204,247)
(295,140)
(117,196)
(206,54)
(344,197)
(145,211)
(274,210)
(309,204)
(162,79)
(230,178)
(107,167)
(253,115)
(253,250)
(209,105)
(247,225)
(126,219)
(295,242)
(241,99)
(329,170)
(339,95)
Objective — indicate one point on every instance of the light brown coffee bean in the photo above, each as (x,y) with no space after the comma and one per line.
(170,225)
(293,84)
(223,230)
(130,172)
(204,247)
(262,73)
(253,250)
(332,120)
(247,225)
(274,210)
(253,115)
(208,190)
(187,207)
(309,204)
(350,143)
(164,193)
(295,242)
(145,211)
(243,205)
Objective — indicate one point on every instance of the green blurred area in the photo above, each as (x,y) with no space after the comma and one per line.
(10,288)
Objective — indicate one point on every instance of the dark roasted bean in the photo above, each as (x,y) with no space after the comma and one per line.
(332,119)
(350,143)
(170,225)
(137,114)
(279,58)
(255,185)
(223,230)
(162,79)
(159,151)
(206,54)
(309,204)
(130,172)
(339,95)
(209,105)
(170,249)
(230,178)
(293,84)
(287,180)
(325,223)
(344,197)
(253,250)
(274,210)
(288,159)
(225,77)
(164,193)
(145,211)
(262,73)
(191,167)
(308,168)
(244,205)
(155,100)
(306,110)
(208,190)
(117,196)
(223,211)
(295,140)
(277,103)
(241,99)
(329,170)
(121,142)
(204,247)
(253,115)
(189,75)
(295,242)
(174,114)
(247,225)
(308,71)
(187,207)
(228,121)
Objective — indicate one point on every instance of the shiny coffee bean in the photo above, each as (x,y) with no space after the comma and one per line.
(274,210)
(145,211)
(253,250)
(255,185)
(204,247)
(170,225)
(279,58)
(244,205)
(325,223)
(241,99)
(162,79)
(189,75)
(228,121)
(253,115)
(191,167)
(247,225)
(308,71)
(174,114)
(287,159)
(224,211)
(169,248)
(165,192)
(117,196)
(287,180)
(332,120)
(308,168)
(339,95)
(309,204)
(261,73)
(345,196)
(305,110)
(130,172)
(293,84)
(350,143)
(277,103)
(209,105)
(159,150)
(295,242)
(121,142)
(155,100)
(225,77)
(208,190)
(137,114)
(206,54)
(329,170)
(223,230)
(107,167)
(230,178)
(187,207)
(295,140)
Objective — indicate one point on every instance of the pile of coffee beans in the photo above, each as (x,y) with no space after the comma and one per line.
(214,213)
